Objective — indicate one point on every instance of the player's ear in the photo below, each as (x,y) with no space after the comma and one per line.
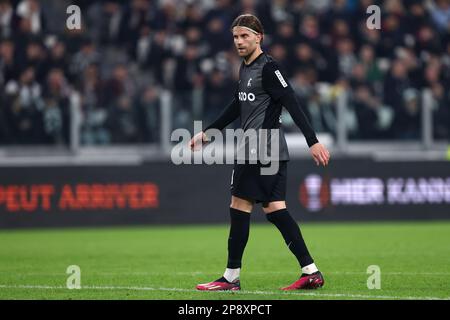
(259,36)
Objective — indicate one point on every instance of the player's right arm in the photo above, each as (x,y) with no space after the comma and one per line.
(228,115)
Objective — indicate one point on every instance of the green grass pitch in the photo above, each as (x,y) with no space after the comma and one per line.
(166,262)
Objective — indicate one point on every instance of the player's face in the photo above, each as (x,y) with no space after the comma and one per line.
(245,41)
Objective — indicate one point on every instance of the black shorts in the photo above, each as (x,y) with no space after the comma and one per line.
(248,183)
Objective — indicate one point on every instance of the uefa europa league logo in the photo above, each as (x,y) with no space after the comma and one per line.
(313,184)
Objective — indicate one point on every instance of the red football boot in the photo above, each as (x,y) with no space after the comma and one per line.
(307,281)
(220,285)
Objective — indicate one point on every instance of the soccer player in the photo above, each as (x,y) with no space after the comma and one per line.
(262,92)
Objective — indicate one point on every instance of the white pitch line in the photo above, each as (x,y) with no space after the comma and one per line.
(198,273)
(243,292)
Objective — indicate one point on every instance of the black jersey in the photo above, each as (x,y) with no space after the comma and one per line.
(262,92)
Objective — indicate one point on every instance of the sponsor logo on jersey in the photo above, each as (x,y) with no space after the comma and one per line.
(244,96)
(280,77)
(249,83)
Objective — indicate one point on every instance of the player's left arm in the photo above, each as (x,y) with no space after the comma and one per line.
(279,89)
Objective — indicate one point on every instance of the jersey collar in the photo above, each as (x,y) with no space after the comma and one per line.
(259,56)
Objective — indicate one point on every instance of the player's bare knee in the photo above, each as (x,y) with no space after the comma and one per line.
(241,204)
(274,206)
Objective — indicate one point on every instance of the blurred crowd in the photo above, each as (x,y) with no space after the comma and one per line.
(127,53)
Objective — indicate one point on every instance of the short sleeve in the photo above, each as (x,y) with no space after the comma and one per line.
(274,81)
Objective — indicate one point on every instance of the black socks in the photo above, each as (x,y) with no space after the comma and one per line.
(291,234)
(239,232)
(237,240)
